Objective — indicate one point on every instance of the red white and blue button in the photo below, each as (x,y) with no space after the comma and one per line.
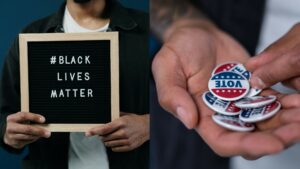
(228,86)
(232,67)
(220,106)
(254,102)
(237,68)
(261,113)
(232,123)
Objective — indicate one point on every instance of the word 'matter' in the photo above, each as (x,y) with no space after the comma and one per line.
(67,93)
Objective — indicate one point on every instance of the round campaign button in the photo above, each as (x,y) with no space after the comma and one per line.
(232,67)
(228,86)
(254,102)
(261,113)
(220,106)
(232,123)
(253,92)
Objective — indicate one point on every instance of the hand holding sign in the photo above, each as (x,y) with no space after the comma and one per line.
(71,79)
(124,134)
(18,131)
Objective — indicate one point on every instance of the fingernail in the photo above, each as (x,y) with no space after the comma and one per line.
(42,119)
(257,83)
(183,116)
(48,134)
(88,134)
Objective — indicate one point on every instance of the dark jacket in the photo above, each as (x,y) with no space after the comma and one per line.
(52,153)
(242,19)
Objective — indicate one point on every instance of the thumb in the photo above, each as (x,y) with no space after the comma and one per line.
(171,87)
(259,60)
(278,70)
(180,103)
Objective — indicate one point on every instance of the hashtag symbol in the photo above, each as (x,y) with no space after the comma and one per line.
(53,60)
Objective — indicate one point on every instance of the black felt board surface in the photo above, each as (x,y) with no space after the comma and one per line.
(43,79)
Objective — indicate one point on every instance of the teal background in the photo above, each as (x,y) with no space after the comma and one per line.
(15,15)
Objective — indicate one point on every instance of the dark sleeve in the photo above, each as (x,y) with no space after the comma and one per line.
(9,91)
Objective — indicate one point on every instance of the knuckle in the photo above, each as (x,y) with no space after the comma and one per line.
(164,98)
(12,116)
(127,142)
(28,129)
(35,117)
(22,115)
(9,118)
(9,128)
(296,26)
(297,101)
(9,137)
(122,123)
(39,131)
(25,137)
(296,84)
(156,62)
(294,61)
(267,77)
(123,133)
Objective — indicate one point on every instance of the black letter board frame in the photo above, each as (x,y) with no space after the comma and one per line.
(112,37)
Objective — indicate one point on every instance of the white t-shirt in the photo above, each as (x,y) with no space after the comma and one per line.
(84,152)
(279,17)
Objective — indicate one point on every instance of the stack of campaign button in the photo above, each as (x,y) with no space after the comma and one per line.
(236,104)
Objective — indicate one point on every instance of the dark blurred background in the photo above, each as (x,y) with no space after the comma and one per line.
(15,15)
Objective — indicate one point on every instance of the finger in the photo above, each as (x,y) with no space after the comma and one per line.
(270,123)
(120,149)
(289,134)
(267,56)
(278,48)
(290,115)
(119,134)
(106,128)
(28,130)
(269,92)
(172,89)
(271,73)
(249,158)
(293,83)
(23,137)
(124,113)
(290,101)
(259,60)
(117,143)
(26,116)
(18,144)
(227,143)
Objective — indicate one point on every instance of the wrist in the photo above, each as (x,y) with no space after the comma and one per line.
(186,24)
(146,119)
